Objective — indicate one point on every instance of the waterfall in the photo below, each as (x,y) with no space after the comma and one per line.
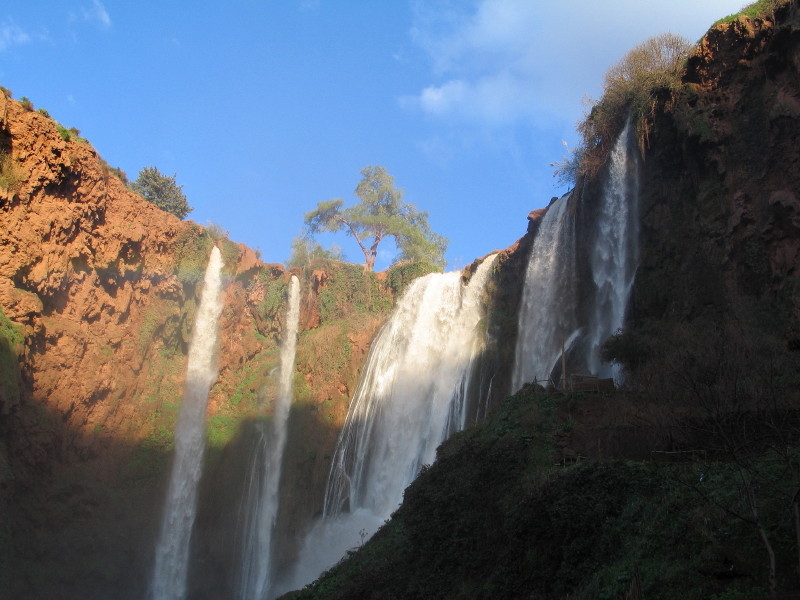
(263,481)
(615,253)
(413,393)
(547,309)
(172,550)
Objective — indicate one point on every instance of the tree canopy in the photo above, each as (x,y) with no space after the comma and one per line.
(162,191)
(380,214)
(305,251)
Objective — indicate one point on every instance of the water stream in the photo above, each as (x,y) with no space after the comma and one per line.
(172,549)
(552,314)
(412,395)
(547,314)
(615,253)
(263,479)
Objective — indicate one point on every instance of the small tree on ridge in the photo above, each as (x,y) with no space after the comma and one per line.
(162,191)
(381,213)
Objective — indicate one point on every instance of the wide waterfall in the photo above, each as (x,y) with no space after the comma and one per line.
(262,494)
(547,315)
(615,254)
(172,550)
(412,395)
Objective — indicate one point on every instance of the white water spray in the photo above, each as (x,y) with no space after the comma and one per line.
(172,550)
(412,395)
(615,253)
(262,493)
(547,310)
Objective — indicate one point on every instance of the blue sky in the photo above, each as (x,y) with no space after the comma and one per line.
(262,108)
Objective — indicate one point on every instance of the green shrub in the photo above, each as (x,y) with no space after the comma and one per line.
(349,290)
(401,275)
(26,103)
(274,302)
(163,191)
(191,250)
(63,132)
(72,133)
(761,9)
(11,343)
(43,111)
(9,175)
(306,251)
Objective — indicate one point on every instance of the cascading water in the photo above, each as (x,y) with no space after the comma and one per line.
(549,318)
(262,493)
(172,550)
(547,310)
(412,395)
(615,252)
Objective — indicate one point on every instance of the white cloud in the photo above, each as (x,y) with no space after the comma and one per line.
(501,62)
(12,35)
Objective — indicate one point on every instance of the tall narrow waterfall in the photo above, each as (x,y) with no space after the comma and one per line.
(261,496)
(615,252)
(547,310)
(411,396)
(172,550)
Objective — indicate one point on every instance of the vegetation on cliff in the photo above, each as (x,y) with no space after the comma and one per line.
(380,214)
(162,191)
(498,515)
(688,479)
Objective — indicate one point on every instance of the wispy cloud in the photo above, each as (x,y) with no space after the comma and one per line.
(485,61)
(97,14)
(12,34)
(501,62)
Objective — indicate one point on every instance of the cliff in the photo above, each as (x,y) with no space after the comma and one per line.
(98,290)
(682,483)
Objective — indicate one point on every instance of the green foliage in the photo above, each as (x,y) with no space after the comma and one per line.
(6,92)
(221,428)
(162,191)
(381,213)
(306,251)
(494,518)
(401,275)
(26,103)
(43,111)
(63,132)
(70,134)
(191,250)
(11,343)
(9,175)
(761,9)
(274,302)
(350,290)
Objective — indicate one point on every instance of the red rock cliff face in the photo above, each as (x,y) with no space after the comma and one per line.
(104,286)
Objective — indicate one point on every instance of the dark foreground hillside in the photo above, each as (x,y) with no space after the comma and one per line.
(500,515)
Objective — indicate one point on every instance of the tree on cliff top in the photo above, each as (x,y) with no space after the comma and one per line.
(162,191)
(381,213)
